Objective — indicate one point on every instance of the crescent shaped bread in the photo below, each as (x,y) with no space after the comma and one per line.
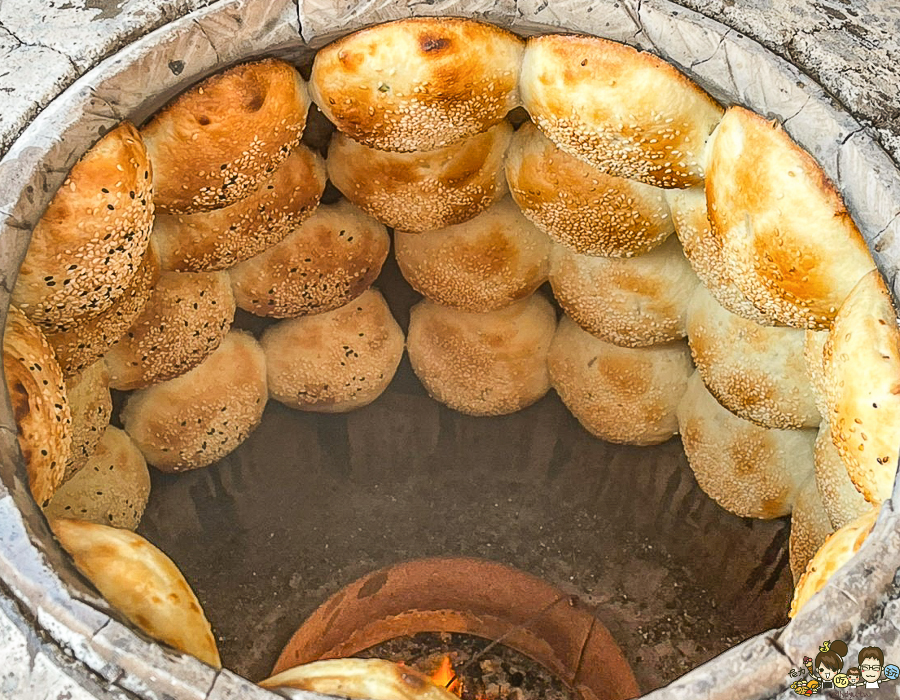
(632,302)
(335,361)
(183,322)
(425,190)
(195,419)
(37,394)
(838,549)
(579,206)
(787,239)
(483,264)
(214,144)
(622,395)
(88,245)
(810,527)
(756,372)
(840,498)
(704,252)
(140,582)
(218,239)
(624,111)
(90,404)
(87,341)
(111,489)
(483,364)
(862,376)
(374,679)
(751,471)
(329,260)
(457,78)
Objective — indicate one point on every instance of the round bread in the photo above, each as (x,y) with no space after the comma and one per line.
(37,394)
(810,527)
(329,260)
(751,471)
(624,111)
(862,377)
(195,419)
(483,264)
(623,395)
(704,252)
(425,190)
(814,358)
(111,489)
(91,406)
(838,549)
(787,239)
(84,343)
(374,679)
(456,78)
(183,322)
(142,583)
(484,364)
(580,206)
(220,238)
(840,498)
(631,302)
(756,372)
(336,361)
(87,247)
(216,143)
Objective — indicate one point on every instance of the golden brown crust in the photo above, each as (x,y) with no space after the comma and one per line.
(195,419)
(483,264)
(862,376)
(703,250)
(215,144)
(335,361)
(837,550)
(87,247)
(221,238)
(623,395)
(483,364)
(810,527)
(632,302)
(814,359)
(425,190)
(840,498)
(624,111)
(37,393)
(787,240)
(330,259)
(579,206)
(91,405)
(756,372)
(456,78)
(751,471)
(88,340)
(183,322)
(111,489)
(142,583)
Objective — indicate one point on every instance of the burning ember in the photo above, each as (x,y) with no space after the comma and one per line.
(446,677)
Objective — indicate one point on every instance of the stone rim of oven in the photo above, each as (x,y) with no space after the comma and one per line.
(52,600)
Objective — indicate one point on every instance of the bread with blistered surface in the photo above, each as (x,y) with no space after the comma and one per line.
(787,239)
(214,144)
(622,395)
(418,84)
(624,111)
(483,364)
(483,264)
(425,190)
(579,206)
(221,238)
(195,419)
(88,245)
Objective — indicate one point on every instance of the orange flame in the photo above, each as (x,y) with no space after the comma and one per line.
(444,675)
